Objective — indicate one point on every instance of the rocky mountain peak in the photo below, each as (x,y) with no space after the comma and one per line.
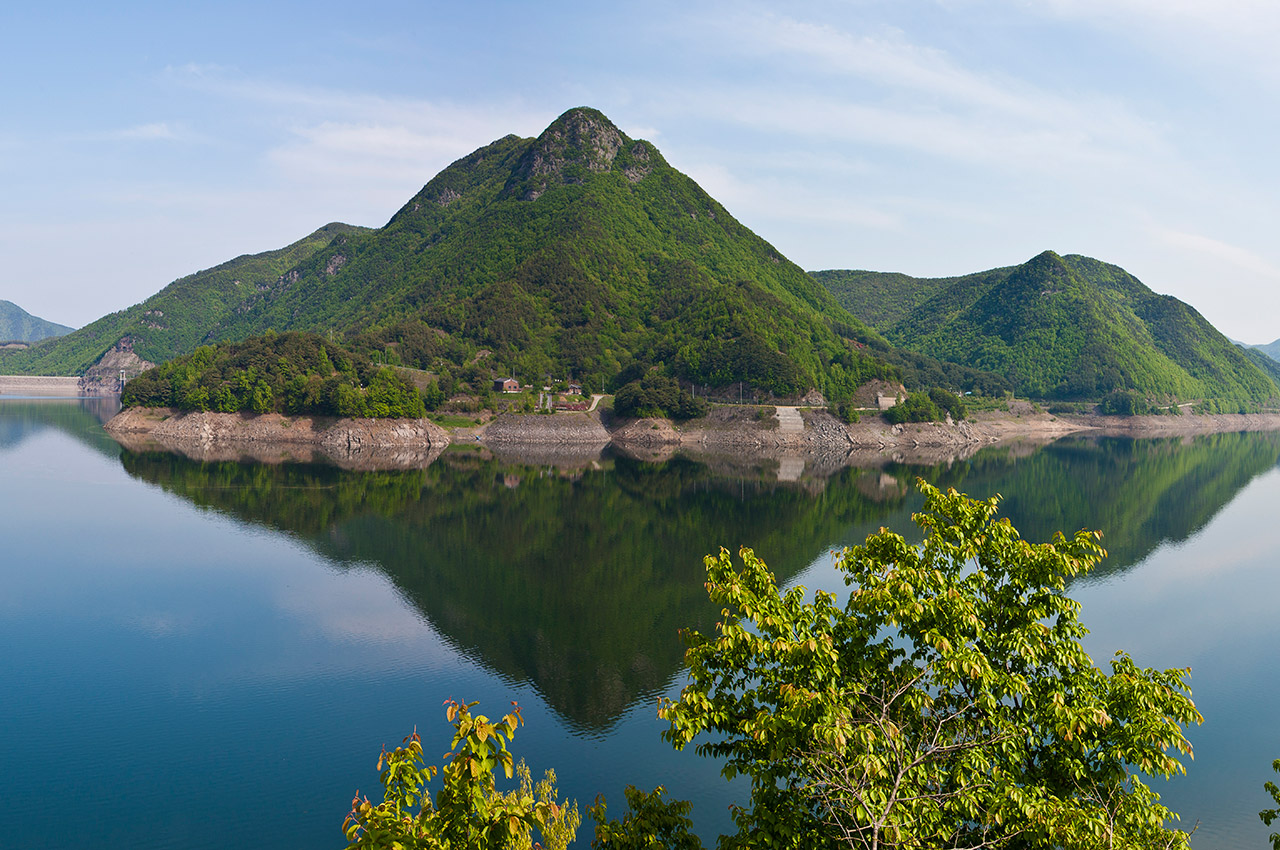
(579,143)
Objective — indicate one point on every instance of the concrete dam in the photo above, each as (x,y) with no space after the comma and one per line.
(34,385)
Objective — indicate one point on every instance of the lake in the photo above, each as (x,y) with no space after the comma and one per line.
(212,654)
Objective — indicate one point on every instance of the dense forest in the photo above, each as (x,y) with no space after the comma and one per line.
(292,373)
(1062,328)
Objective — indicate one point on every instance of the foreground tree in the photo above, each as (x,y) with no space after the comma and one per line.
(949,704)
(468,812)
(1269,815)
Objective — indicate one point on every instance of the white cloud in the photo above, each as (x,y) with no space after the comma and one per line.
(644,132)
(159,130)
(332,133)
(1241,258)
(780,199)
(369,150)
(1256,18)
(1237,36)
(882,89)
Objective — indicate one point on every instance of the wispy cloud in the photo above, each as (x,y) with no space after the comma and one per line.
(1258,18)
(774,198)
(385,151)
(887,90)
(1241,258)
(155,131)
(146,132)
(1236,35)
(334,133)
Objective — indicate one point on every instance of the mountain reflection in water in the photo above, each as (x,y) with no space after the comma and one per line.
(577,580)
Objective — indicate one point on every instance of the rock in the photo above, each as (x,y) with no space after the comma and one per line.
(557,428)
(399,442)
(103,377)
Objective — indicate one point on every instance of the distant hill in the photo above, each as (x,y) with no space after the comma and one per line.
(176,319)
(580,253)
(1058,327)
(1271,349)
(17,325)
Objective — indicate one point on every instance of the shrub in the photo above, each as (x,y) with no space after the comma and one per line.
(657,395)
(916,407)
(949,402)
(1124,403)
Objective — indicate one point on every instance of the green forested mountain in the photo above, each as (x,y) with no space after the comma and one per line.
(1263,361)
(1058,327)
(17,325)
(175,320)
(881,299)
(580,253)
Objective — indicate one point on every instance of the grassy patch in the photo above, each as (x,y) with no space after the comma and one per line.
(452,420)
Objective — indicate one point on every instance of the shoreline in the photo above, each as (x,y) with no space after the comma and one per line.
(799,438)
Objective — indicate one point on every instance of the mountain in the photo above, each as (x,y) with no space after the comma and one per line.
(581,253)
(1265,362)
(17,325)
(175,320)
(1271,349)
(1058,327)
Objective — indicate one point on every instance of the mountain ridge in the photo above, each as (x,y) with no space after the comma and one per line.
(1069,327)
(173,321)
(579,253)
(17,325)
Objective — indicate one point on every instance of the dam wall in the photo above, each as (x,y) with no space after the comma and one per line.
(39,385)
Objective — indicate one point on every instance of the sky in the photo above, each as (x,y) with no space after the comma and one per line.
(140,142)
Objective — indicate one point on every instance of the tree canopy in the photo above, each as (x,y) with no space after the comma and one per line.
(295,373)
(949,703)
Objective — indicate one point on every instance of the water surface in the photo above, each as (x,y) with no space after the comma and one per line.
(213,654)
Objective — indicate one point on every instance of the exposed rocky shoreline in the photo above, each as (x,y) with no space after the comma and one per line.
(371,443)
(799,439)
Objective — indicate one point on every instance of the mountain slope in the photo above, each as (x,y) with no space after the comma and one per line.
(17,325)
(176,319)
(1269,366)
(583,252)
(1063,327)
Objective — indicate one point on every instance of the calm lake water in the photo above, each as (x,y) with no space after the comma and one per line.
(213,654)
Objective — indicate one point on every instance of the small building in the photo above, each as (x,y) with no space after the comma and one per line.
(884,402)
(506,385)
(575,388)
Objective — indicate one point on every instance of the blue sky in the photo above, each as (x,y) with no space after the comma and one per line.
(143,141)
